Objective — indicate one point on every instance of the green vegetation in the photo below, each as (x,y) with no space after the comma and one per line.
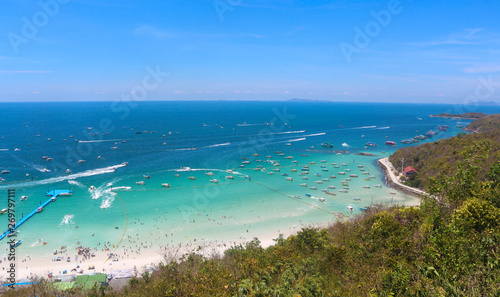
(449,246)
(467,115)
(442,156)
(487,123)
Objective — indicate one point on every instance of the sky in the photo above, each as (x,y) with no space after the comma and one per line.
(371,51)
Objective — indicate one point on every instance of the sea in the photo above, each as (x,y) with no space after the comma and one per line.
(213,172)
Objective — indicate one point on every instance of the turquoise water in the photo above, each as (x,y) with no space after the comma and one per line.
(206,137)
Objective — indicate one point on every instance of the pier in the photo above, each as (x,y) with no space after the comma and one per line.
(53,195)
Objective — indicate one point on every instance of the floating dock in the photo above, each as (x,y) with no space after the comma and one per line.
(53,195)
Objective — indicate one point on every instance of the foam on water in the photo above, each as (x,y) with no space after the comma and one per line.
(67,220)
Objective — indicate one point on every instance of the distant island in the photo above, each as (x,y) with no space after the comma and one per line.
(464,116)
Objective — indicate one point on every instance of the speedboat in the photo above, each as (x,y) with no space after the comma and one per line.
(214,181)
(289,178)
(4,210)
(91,188)
(15,244)
(390,143)
(39,209)
(81,161)
(350,208)
(321,199)
(5,171)
(141,183)
(23,198)
(166,185)
(229,177)
(304,185)
(209,173)
(345,144)
(147,176)
(191,177)
(13,233)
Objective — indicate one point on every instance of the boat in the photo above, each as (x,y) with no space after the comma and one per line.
(15,244)
(319,182)
(4,211)
(289,157)
(39,209)
(297,196)
(321,199)
(23,198)
(330,193)
(343,191)
(371,144)
(229,177)
(13,233)
(214,181)
(353,175)
(341,173)
(304,185)
(81,161)
(331,187)
(313,188)
(191,177)
(166,185)
(406,141)
(308,195)
(345,144)
(289,178)
(124,164)
(356,198)
(378,186)
(91,188)
(390,143)
(327,145)
(348,170)
(350,208)
(5,171)
(147,176)
(305,177)
(209,173)
(141,183)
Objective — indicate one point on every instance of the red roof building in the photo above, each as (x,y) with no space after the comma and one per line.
(409,171)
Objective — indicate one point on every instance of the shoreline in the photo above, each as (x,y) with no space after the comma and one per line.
(393,182)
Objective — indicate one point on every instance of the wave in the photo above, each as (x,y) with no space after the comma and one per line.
(102,140)
(67,220)
(74,182)
(216,145)
(86,173)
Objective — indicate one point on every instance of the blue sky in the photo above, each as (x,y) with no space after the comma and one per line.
(381,51)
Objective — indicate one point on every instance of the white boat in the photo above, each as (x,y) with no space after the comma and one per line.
(68,170)
(313,188)
(321,199)
(304,185)
(289,178)
(23,198)
(5,171)
(91,188)
(350,208)
(146,176)
(141,183)
(378,186)
(343,191)
(39,209)
(345,144)
(214,181)
(319,182)
(166,185)
(353,175)
(366,187)
(229,177)
(209,173)
(348,170)
(191,177)
(305,177)
(331,187)
(13,233)
(81,161)
(341,173)
(124,163)
(4,211)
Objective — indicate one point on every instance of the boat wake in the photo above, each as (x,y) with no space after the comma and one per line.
(108,200)
(67,220)
(297,139)
(122,188)
(74,182)
(102,140)
(3,150)
(86,173)
(383,128)
(216,145)
(290,132)
(40,168)
(315,134)
(363,127)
